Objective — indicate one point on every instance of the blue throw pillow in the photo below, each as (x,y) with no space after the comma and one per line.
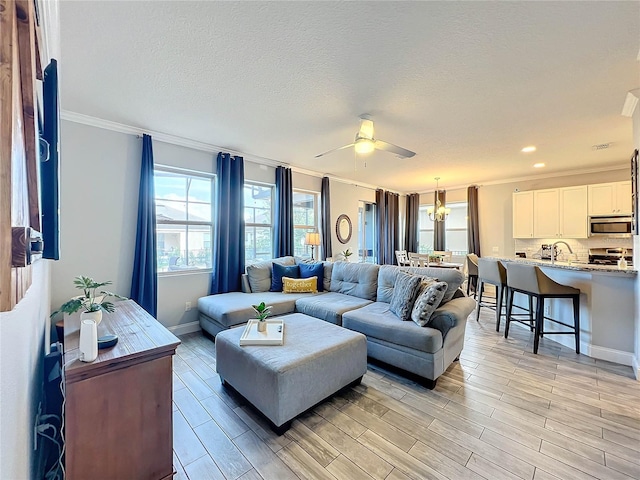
(280,271)
(308,270)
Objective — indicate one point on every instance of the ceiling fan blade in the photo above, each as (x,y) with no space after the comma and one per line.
(334,150)
(366,128)
(390,147)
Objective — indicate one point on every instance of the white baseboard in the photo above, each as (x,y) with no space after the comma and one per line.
(609,354)
(185,328)
(595,351)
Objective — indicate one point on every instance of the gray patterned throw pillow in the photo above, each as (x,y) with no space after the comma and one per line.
(427,303)
(404,293)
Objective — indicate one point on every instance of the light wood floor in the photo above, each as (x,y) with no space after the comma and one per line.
(501,412)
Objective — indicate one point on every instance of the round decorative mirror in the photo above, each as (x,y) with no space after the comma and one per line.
(343,228)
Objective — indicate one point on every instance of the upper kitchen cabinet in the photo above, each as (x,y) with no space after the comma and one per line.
(573,212)
(610,198)
(551,213)
(523,215)
(546,214)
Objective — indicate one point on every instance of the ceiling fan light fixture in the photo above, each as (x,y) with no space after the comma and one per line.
(364,146)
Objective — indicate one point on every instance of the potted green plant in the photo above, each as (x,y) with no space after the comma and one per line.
(262,312)
(91,303)
(346,254)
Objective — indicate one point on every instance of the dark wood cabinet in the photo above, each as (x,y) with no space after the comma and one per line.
(118,415)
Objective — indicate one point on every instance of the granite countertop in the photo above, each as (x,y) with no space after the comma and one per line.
(577,266)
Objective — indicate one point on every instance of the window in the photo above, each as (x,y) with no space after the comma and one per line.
(455,229)
(183,220)
(258,215)
(367,232)
(305,220)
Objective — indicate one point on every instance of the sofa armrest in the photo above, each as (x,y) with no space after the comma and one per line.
(246,287)
(452,313)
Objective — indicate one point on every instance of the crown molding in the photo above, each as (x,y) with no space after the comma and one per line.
(609,168)
(202,146)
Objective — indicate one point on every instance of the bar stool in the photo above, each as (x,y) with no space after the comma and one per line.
(472,273)
(493,272)
(531,281)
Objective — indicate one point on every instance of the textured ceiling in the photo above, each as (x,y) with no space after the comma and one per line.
(466,85)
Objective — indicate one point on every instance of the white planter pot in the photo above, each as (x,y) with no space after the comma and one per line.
(262,326)
(95,316)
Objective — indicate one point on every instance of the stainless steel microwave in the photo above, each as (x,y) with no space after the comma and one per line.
(609,226)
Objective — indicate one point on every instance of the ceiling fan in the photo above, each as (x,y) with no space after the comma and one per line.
(366,143)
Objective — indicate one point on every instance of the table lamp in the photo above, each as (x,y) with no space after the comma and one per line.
(312,239)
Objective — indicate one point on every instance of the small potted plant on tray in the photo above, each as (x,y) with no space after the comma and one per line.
(91,304)
(262,312)
(346,254)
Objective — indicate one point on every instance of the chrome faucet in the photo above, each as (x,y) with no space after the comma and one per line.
(553,250)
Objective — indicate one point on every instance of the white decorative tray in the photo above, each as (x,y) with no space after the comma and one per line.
(274,334)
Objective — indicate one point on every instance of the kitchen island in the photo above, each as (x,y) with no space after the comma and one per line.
(607,307)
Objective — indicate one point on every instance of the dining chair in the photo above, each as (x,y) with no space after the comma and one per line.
(401,258)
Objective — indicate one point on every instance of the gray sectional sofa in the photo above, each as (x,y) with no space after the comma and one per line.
(357,296)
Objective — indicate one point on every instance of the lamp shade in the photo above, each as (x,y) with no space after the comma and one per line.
(312,239)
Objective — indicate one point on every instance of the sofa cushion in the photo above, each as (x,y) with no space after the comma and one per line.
(355,279)
(404,294)
(234,308)
(278,271)
(259,273)
(329,306)
(377,321)
(426,304)
(308,270)
(300,285)
(328,268)
(388,273)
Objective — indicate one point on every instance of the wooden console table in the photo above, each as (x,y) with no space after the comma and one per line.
(118,415)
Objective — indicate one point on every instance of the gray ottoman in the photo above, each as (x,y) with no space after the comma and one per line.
(316,360)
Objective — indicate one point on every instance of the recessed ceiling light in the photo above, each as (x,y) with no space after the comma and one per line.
(538,165)
(528,149)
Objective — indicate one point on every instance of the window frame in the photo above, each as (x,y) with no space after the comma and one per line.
(260,225)
(308,228)
(214,212)
(425,206)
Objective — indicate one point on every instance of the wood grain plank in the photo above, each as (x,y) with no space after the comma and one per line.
(27,55)
(186,444)
(344,422)
(350,448)
(342,467)
(226,418)
(193,412)
(204,468)
(303,464)
(321,451)
(7,35)
(263,459)
(510,462)
(488,469)
(222,450)
(400,439)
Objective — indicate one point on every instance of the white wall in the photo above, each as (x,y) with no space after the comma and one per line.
(344,200)
(495,207)
(22,340)
(100,171)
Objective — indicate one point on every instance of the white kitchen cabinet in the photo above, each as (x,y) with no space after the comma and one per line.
(523,215)
(573,212)
(546,214)
(610,198)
